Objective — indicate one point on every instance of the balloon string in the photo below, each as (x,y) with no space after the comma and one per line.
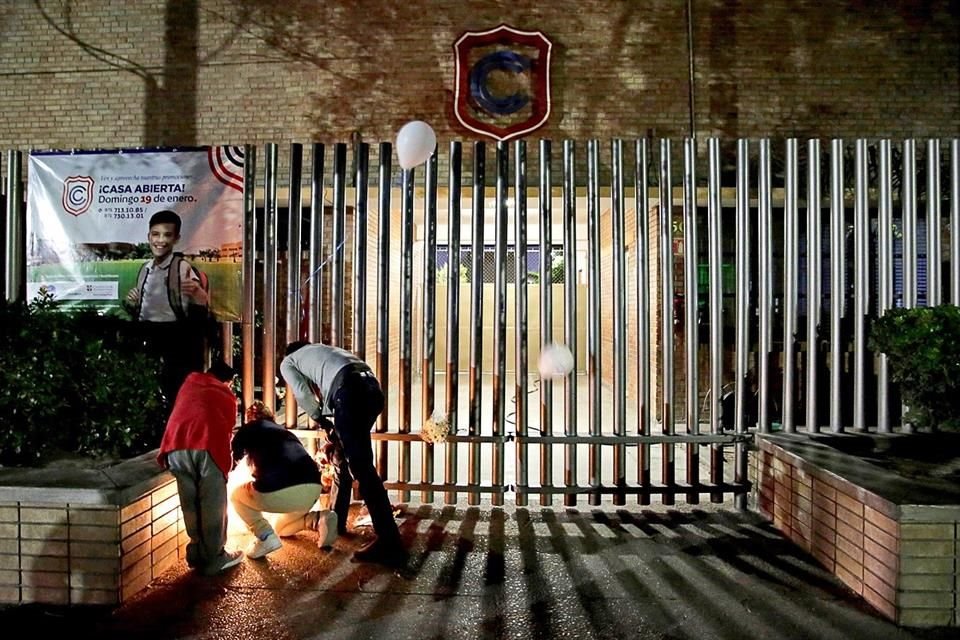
(322,264)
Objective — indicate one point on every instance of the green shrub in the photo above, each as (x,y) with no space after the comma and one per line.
(923,351)
(74,381)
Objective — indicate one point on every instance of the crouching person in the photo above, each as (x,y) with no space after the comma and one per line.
(286,480)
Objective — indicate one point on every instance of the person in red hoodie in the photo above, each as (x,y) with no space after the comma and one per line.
(196,450)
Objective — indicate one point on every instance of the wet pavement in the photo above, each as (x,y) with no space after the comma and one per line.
(490,572)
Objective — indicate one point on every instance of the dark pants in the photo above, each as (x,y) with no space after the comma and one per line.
(180,347)
(356,405)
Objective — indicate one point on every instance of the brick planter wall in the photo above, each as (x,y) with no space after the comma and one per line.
(901,558)
(87,545)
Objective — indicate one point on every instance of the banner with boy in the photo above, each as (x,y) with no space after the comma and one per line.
(88,217)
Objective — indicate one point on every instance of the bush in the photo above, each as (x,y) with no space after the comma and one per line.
(923,351)
(74,381)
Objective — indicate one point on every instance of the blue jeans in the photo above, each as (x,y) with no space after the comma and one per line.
(356,405)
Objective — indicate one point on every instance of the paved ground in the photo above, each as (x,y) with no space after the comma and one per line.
(506,573)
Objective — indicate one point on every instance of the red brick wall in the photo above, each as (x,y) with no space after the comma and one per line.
(252,71)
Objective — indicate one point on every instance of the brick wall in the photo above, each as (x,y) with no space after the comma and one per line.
(255,71)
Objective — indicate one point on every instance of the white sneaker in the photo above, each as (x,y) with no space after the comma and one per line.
(259,548)
(326,526)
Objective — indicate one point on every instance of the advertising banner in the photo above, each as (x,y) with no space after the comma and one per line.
(88,223)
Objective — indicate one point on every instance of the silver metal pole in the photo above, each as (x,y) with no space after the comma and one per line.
(861,299)
(315,315)
(546,313)
(691,313)
(955,221)
(813,282)
(790,249)
(429,318)
(360,215)
(743,301)
(453,309)
(933,223)
(249,269)
(837,282)
(570,313)
(667,426)
(384,175)
(908,202)
(500,316)
(884,277)
(644,410)
(619,321)
(594,374)
(520,331)
(715,257)
(764,284)
(406,325)
(337,301)
(269,312)
(14,264)
(294,254)
(476,316)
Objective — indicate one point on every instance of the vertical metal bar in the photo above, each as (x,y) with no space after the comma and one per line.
(520,331)
(249,269)
(812,420)
(360,218)
(743,302)
(270,230)
(667,426)
(908,202)
(500,316)
(338,285)
(764,284)
(570,313)
(546,312)
(594,374)
(934,294)
(429,317)
(476,315)
(861,275)
(14,263)
(315,317)
(453,309)
(884,276)
(691,309)
(619,321)
(642,212)
(406,325)
(955,221)
(715,257)
(837,282)
(294,254)
(790,248)
(383,298)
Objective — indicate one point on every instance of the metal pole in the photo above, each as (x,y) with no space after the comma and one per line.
(294,254)
(837,282)
(520,331)
(360,214)
(476,316)
(790,250)
(249,269)
(270,231)
(406,325)
(908,201)
(500,316)
(765,284)
(594,375)
(570,313)
(429,317)
(337,301)
(546,314)
(384,175)
(884,277)
(955,221)
(813,282)
(743,301)
(315,315)
(667,427)
(691,313)
(861,299)
(14,265)
(453,309)
(933,223)
(619,321)
(642,213)
(715,257)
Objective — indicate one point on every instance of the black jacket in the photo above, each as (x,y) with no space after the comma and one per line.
(277,458)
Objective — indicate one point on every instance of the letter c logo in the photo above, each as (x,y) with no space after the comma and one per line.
(507,61)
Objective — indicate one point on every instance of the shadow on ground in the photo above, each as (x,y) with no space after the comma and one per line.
(506,572)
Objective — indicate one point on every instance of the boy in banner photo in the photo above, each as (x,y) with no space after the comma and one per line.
(170,302)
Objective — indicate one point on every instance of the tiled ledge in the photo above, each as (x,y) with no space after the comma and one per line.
(87,536)
(895,541)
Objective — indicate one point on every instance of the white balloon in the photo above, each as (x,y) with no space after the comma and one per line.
(415,142)
(556,361)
